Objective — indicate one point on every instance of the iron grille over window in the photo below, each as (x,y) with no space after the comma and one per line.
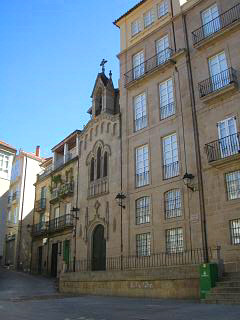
(173,204)
(142,166)
(235,231)
(143,210)
(143,244)
(174,240)
(140,112)
(233,185)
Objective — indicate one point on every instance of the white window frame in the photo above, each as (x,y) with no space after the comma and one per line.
(212,25)
(170,156)
(167,103)
(174,240)
(148,18)
(143,244)
(138,65)
(142,206)
(140,112)
(142,165)
(136,27)
(229,143)
(173,203)
(4,163)
(162,8)
(233,184)
(235,231)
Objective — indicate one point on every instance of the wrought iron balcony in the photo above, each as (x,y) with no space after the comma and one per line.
(223,148)
(60,223)
(39,229)
(142,179)
(171,170)
(140,123)
(217,82)
(40,205)
(218,24)
(148,66)
(55,194)
(66,189)
(98,187)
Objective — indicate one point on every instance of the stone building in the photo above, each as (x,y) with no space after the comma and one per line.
(21,195)
(7,153)
(179,103)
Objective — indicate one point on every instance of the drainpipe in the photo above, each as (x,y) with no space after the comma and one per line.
(173,27)
(197,146)
(20,234)
(121,183)
(75,233)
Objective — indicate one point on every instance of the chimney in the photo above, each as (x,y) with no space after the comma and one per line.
(38,151)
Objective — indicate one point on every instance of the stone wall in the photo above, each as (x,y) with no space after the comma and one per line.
(170,282)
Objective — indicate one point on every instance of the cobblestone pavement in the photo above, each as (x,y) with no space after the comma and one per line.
(26,297)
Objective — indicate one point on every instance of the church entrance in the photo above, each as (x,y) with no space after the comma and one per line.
(98,249)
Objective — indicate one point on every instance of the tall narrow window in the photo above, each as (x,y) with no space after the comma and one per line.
(163,51)
(135,27)
(143,244)
(167,105)
(233,185)
(99,163)
(220,75)
(173,204)
(174,240)
(142,166)
(138,65)
(143,210)
(105,165)
(92,170)
(170,157)
(162,8)
(148,18)
(229,143)
(140,112)
(235,231)
(211,21)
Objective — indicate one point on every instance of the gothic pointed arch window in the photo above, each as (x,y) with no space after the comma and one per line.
(92,170)
(105,164)
(99,158)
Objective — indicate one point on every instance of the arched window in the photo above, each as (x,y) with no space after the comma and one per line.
(92,170)
(99,163)
(105,164)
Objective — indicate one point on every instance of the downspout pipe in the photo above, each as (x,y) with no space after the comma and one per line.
(197,146)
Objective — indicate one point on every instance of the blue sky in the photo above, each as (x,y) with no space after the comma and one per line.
(50,51)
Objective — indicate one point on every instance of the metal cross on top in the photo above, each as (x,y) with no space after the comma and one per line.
(102,64)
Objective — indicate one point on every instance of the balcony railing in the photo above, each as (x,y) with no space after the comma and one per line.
(148,66)
(60,223)
(54,225)
(140,123)
(219,23)
(217,82)
(223,148)
(170,170)
(66,189)
(98,187)
(40,228)
(40,205)
(167,110)
(155,260)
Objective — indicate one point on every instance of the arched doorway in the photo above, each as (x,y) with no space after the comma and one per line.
(98,249)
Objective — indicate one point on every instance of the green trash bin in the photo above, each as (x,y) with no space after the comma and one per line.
(208,278)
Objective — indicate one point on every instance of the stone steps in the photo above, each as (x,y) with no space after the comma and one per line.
(227,291)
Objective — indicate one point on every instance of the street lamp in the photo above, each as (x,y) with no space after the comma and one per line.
(120,197)
(188,181)
(75,211)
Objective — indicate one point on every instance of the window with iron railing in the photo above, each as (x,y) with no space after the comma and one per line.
(167,105)
(174,240)
(235,231)
(143,244)
(162,8)
(143,210)
(213,22)
(170,157)
(233,185)
(173,204)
